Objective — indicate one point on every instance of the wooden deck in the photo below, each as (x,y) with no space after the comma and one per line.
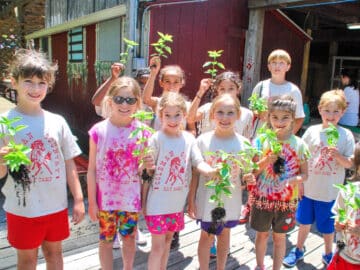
(81,251)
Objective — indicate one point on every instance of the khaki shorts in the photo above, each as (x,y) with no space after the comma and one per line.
(280,222)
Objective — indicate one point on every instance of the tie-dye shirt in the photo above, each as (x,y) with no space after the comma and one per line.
(118,182)
(272,191)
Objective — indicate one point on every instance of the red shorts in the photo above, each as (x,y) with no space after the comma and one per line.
(29,233)
(338,263)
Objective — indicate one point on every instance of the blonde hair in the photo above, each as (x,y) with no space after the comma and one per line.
(178,70)
(279,54)
(29,63)
(122,82)
(222,98)
(172,99)
(336,96)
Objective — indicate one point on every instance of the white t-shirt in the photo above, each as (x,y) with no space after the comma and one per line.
(323,170)
(351,115)
(170,185)
(351,252)
(243,126)
(51,141)
(208,142)
(270,89)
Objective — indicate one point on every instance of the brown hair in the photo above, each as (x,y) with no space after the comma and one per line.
(228,75)
(282,103)
(175,68)
(28,63)
(223,98)
(336,96)
(172,99)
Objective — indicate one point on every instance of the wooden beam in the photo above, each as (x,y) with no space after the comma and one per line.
(305,66)
(252,57)
(287,3)
(335,35)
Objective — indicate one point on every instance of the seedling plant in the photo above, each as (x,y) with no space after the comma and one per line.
(332,135)
(257,104)
(161,46)
(129,45)
(213,65)
(16,159)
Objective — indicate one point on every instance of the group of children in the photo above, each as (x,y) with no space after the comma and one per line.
(175,166)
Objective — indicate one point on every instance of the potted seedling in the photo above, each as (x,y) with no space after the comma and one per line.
(352,202)
(269,135)
(16,159)
(257,104)
(213,65)
(332,135)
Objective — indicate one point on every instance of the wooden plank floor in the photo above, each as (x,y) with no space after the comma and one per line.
(81,249)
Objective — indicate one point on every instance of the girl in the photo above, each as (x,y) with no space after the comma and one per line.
(347,256)
(351,115)
(275,194)
(326,168)
(224,112)
(164,198)
(226,82)
(114,183)
(36,207)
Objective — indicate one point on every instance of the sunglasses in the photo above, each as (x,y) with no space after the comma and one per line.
(121,100)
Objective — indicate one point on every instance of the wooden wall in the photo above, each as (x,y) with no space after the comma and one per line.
(198,28)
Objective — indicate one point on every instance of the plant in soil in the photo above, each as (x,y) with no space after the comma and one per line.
(257,104)
(332,135)
(161,46)
(268,135)
(17,159)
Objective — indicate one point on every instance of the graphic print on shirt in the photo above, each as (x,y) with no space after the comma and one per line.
(323,163)
(353,241)
(115,157)
(39,157)
(175,178)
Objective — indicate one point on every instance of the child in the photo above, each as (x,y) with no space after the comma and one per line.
(275,194)
(326,168)
(224,112)
(226,82)
(279,62)
(114,183)
(36,208)
(164,198)
(347,257)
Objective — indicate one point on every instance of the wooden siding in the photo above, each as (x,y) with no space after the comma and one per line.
(198,28)
(61,11)
(280,35)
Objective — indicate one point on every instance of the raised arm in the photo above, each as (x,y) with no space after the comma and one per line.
(148,98)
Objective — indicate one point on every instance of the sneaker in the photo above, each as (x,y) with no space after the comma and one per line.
(245,214)
(293,257)
(326,258)
(259,267)
(175,240)
(140,238)
(213,250)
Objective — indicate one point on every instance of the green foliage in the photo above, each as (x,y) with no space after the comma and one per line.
(9,42)
(129,45)
(161,46)
(143,130)
(269,135)
(246,156)
(332,135)
(102,70)
(350,199)
(18,152)
(257,104)
(213,64)
(77,72)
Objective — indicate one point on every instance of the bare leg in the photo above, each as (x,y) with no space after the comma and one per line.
(204,245)
(53,255)
(106,255)
(157,250)
(27,259)
(223,244)
(278,249)
(302,235)
(328,240)
(128,251)
(165,256)
(260,247)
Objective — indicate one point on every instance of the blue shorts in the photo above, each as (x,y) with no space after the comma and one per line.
(205,225)
(310,211)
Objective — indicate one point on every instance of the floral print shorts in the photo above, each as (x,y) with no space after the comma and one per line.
(161,224)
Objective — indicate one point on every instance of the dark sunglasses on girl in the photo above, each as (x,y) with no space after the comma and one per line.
(121,100)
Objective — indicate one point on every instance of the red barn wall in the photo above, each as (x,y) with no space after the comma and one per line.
(198,28)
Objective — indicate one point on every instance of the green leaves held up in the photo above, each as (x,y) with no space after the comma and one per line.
(161,46)
(268,135)
(246,156)
(129,45)
(18,152)
(213,64)
(332,135)
(351,200)
(257,104)
(144,132)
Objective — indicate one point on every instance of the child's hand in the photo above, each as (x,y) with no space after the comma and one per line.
(204,86)
(78,212)
(155,64)
(93,212)
(262,116)
(116,70)
(249,179)
(333,152)
(270,158)
(4,151)
(149,163)
(191,210)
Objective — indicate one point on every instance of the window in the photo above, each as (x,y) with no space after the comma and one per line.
(76,45)
(109,36)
